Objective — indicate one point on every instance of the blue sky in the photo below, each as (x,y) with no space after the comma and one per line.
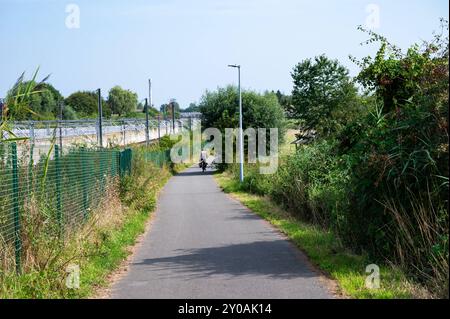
(186,45)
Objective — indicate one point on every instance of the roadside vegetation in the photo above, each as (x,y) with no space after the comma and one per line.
(325,249)
(373,179)
(97,247)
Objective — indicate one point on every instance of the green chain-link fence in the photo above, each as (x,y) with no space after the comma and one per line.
(159,158)
(63,187)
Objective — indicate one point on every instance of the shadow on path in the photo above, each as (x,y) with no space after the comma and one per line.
(273,258)
(197,172)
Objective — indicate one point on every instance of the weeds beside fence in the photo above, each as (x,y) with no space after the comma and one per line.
(61,189)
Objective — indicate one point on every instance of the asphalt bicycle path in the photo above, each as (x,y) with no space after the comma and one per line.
(204,245)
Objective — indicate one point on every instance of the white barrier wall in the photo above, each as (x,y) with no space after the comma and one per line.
(129,132)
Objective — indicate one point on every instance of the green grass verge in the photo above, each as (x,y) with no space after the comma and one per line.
(323,249)
(110,255)
(114,249)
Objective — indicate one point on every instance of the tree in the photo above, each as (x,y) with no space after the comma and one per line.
(69,113)
(152,112)
(44,104)
(122,102)
(285,102)
(400,78)
(220,110)
(322,93)
(192,108)
(166,109)
(83,102)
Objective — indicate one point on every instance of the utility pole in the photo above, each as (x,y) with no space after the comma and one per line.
(147,136)
(100,114)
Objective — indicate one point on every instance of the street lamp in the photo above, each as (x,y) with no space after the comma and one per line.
(241,139)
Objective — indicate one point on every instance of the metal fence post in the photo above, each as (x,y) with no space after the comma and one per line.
(31,163)
(159,127)
(100,115)
(147,136)
(16,212)
(58,188)
(59,123)
(124,130)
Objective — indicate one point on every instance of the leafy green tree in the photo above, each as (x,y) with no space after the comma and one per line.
(17,103)
(152,112)
(323,95)
(166,109)
(69,113)
(44,104)
(83,102)
(121,101)
(285,102)
(192,108)
(220,110)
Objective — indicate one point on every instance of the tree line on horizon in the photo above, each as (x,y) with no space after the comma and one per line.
(46,103)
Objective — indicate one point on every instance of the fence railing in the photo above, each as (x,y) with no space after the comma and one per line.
(113,130)
(41,135)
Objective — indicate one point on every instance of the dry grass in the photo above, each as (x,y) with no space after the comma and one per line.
(421,245)
(44,253)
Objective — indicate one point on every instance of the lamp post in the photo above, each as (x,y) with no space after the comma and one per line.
(241,139)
